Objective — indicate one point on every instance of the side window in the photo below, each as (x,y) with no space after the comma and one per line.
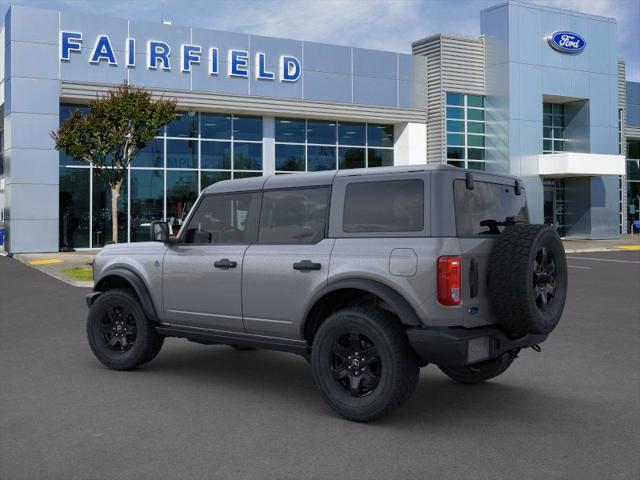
(228,218)
(384,206)
(296,216)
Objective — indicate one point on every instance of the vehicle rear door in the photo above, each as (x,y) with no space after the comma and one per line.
(289,263)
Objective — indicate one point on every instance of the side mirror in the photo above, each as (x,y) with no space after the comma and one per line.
(159,231)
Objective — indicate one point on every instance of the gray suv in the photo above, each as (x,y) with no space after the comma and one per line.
(368,274)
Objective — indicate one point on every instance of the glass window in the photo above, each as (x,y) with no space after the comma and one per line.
(296,216)
(475,101)
(247,128)
(378,157)
(320,131)
(475,153)
(290,158)
(633,169)
(215,155)
(488,202)
(247,156)
(321,158)
(384,206)
(182,191)
(351,157)
(455,139)
(475,127)
(473,114)
(182,154)
(151,155)
(74,207)
(246,174)
(476,165)
(455,152)
(209,178)
(351,133)
(379,135)
(455,98)
(456,164)
(102,231)
(147,201)
(184,124)
(66,109)
(215,126)
(475,140)
(290,130)
(455,126)
(454,112)
(224,219)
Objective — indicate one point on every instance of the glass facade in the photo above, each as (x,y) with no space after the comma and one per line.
(465,130)
(633,182)
(305,145)
(552,128)
(192,152)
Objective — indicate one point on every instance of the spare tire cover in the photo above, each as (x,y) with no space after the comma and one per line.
(527,279)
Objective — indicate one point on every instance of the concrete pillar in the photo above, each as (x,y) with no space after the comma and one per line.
(410,146)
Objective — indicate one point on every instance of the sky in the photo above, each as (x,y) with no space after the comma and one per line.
(378,24)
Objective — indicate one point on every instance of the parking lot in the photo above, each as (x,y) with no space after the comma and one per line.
(572,411)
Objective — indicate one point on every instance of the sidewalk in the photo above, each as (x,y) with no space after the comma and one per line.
(75,269)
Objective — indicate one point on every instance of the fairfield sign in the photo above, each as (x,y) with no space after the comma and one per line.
(159,56)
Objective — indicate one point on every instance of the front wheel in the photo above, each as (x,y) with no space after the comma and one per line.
(363,363)
(119,333)
(479,372)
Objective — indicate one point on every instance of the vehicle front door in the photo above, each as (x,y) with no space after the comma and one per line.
(289,263)
(202,272)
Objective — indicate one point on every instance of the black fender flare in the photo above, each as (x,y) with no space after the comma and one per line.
(138,285)
(391,297)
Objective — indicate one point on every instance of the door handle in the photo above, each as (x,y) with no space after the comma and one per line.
(306,265)
(225,263)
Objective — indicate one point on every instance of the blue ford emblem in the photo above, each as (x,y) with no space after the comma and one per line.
(567,42)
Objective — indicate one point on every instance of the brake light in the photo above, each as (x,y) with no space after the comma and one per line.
(449,280)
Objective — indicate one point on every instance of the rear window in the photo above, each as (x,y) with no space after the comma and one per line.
(384,206)
(484,210)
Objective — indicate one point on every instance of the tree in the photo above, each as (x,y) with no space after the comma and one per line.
(117,126)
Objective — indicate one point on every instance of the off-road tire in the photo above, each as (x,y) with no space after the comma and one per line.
(479,372)
(147,343)
(513,277)
(396,363)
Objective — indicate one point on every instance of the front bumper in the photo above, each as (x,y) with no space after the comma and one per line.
(458,347)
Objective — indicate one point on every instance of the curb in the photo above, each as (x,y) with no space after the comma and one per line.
(55,275)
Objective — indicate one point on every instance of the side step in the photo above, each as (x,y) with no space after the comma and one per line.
(210,337)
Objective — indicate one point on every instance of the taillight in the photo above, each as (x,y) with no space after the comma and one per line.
(449,280)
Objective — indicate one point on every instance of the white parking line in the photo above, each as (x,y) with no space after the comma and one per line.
(604,260)
(583,268)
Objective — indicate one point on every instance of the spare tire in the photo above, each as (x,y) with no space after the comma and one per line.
(527,279)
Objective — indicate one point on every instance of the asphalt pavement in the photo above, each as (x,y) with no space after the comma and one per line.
(571,411)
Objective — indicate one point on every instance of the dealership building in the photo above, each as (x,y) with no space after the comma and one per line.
(541,94)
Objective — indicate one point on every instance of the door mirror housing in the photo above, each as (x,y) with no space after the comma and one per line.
(159,231)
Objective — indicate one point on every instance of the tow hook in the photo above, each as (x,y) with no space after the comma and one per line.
(536,348)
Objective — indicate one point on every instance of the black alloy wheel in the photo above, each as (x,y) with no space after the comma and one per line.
(356,364)
(119,329)
(544,280)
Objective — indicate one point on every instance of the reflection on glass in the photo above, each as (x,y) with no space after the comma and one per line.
(147,187)
(290,158)
(378,157)
(74,207)
(246,174)
(184,124)
(209,178)
(290,130)
(215,126)
(247,156)
(321,158)
(102,212)
(247,128)
(182,154)
(216,155)
(351,157)
(151,155)
(320,131)
(182,191)
(379,135)
(351,133)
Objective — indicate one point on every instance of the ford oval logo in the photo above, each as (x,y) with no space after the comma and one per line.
(567,42)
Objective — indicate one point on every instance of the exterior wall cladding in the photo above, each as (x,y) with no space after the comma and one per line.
(511,64)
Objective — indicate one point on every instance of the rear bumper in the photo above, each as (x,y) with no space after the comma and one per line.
(457,347)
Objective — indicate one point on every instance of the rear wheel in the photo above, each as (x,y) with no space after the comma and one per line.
(479,372)
(363,363)
(119,333)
